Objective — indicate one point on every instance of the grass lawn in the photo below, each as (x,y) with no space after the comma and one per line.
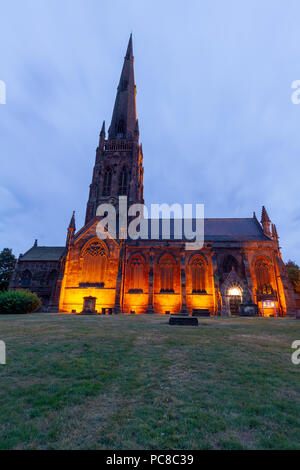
(134,382)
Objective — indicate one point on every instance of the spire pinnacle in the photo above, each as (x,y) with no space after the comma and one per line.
(103,129)
(265,221)
(71,229)
(72,221)
(264,215)
(129,52)
(124,116)
(274,232)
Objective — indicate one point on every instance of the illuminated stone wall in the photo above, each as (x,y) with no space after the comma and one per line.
(74,286)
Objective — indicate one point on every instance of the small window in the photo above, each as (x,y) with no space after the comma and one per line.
(107,182)
(123,180)
(26,278)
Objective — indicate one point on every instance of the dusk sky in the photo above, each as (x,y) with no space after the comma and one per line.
(213,97)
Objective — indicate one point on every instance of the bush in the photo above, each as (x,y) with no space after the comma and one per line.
(18,301)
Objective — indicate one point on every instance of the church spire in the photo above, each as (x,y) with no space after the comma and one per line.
(123,123)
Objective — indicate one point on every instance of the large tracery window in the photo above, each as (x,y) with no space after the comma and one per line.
(166,266)
(94,263)
(136,274)
(123,181)
(262,272)
(198,276)
(107,182)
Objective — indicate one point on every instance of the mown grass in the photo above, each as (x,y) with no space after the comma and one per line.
(134,382)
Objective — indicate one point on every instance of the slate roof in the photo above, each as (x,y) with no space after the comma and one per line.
(241,229)
(44,253)
(215,230)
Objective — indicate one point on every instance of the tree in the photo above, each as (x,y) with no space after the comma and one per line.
(294,275)
(7,266)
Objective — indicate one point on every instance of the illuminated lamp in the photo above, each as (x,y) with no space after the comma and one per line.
(234,291)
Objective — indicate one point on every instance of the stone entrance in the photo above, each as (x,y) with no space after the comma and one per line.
(234,304)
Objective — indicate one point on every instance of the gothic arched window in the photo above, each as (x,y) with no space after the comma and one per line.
(123,181)
(166,267)
(107,182)
(94,263)
(262,273)
(198,275)
(26,278)
(136,274)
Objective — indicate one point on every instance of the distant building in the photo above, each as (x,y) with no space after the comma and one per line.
(239,270)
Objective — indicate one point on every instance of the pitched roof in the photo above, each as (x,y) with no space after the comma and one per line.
(242,229)
(233,229)
(44,253)
(220,230)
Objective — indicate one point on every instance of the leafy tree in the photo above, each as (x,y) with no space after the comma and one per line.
(294,275)
(7,266)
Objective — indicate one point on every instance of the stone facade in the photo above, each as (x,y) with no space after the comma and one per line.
(239,270)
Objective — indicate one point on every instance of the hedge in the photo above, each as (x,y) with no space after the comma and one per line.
(18,301)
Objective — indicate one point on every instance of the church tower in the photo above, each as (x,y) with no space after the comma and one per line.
(118,169)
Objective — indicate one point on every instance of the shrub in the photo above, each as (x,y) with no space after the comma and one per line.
(18,301)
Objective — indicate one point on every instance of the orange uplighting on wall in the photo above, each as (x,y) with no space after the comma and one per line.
(268,308)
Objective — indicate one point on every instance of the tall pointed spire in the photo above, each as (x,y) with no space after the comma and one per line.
(122,174)
(124,116)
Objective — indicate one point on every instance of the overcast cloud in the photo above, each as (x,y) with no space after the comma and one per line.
(214,105)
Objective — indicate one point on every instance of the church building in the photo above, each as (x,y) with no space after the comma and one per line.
(238,271)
